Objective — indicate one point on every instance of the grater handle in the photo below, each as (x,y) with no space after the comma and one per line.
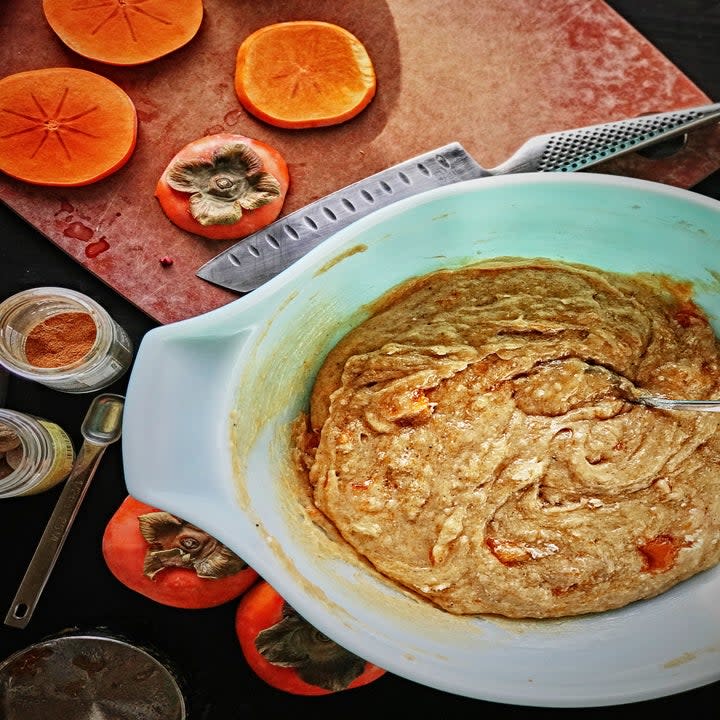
(573,150)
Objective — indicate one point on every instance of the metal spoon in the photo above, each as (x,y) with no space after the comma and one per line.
(628,392)
(101,427)
(621,388)
(669,404)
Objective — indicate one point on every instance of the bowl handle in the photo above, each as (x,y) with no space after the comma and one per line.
(180,395)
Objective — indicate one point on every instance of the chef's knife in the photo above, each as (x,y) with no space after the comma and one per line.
(255,259)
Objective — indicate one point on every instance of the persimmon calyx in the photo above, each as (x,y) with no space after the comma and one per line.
(172,542)
(222,187)
(292,642)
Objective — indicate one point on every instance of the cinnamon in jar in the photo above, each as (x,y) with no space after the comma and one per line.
(62,339)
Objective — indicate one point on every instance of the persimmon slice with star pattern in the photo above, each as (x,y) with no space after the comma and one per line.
(64,126)
(124,32)
(304,74)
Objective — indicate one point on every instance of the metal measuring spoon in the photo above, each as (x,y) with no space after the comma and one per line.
(101,427)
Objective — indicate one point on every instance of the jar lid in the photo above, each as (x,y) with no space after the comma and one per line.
(88,677)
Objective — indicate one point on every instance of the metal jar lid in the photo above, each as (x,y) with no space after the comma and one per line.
(88,677)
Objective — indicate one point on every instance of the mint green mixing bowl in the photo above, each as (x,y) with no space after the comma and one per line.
(210,400)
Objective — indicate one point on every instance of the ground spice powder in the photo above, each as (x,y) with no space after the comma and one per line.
(60,339)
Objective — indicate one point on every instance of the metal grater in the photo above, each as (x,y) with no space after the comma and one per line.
(260,256)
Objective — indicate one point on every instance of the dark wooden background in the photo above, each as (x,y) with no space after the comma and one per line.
(200,644)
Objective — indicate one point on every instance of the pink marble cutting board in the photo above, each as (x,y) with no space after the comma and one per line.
(488,74)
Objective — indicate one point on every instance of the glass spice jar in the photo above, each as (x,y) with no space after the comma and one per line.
(35,454)
(62,339)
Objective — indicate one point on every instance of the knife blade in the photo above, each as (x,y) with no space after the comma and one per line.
(262,255)
(257,258)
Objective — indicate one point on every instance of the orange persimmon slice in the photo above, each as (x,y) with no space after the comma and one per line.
(64,126)
(124,32)
(304,74)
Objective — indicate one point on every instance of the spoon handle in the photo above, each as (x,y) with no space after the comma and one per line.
(668,404)
(53,538)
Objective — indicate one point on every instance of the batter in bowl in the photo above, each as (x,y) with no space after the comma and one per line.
(473,438)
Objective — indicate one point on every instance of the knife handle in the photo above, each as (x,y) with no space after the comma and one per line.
(572,150)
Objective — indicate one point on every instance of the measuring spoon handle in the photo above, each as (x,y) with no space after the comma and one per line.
(54,535)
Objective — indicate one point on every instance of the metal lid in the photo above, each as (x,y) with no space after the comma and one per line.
(88,677)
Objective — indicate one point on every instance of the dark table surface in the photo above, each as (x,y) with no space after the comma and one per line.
(200,645)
